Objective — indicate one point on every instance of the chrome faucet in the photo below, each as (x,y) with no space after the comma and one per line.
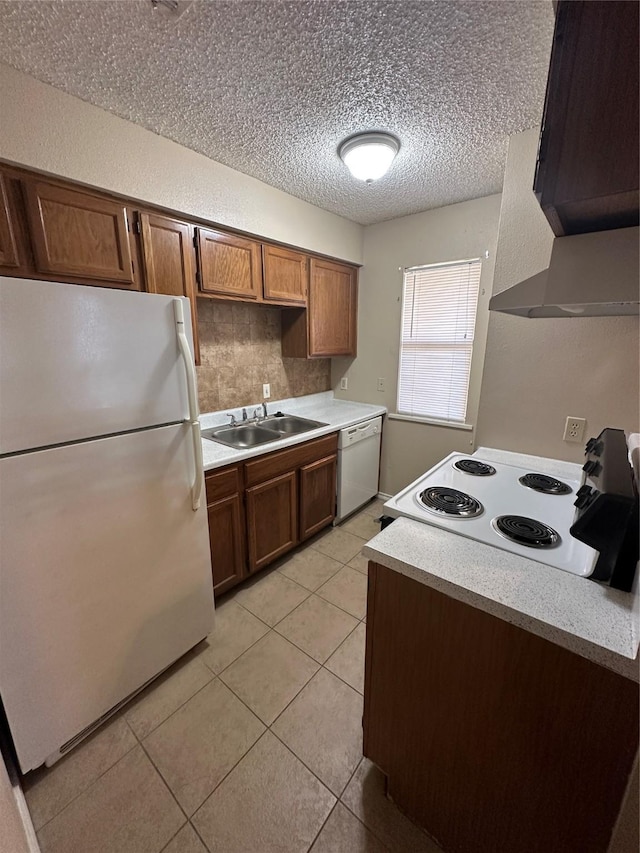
(244,414)
(233,419)
(264,410)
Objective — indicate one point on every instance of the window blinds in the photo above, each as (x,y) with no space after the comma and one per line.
(438,320)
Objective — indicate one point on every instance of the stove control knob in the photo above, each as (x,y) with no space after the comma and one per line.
(583,497)
(592,468)
(594,446)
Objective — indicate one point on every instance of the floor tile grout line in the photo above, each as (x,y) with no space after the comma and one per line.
(175,710)
(315,838)
(195,828)
(84,790)
(165,783)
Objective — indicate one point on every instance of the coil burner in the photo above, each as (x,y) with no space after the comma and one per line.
(445,501)
(526,531)
(544,484)
(475,467)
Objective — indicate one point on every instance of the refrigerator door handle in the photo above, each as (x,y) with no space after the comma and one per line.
(183,343)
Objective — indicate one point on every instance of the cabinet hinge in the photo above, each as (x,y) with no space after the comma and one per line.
(195,238)
(137,228)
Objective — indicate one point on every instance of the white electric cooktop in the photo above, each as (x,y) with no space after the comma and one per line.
(499,509)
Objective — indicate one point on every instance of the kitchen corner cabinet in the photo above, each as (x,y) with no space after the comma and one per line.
(79,235)
(168,260)
(226,527)
(587,174)
(491,738)
(329,325)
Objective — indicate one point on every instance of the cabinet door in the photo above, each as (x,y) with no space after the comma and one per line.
(285,275)
(80,235)
(272,518)
(229,265)
(226,535)
(9,258)
(587,172)
(333,307)
(317,495)
(167,248)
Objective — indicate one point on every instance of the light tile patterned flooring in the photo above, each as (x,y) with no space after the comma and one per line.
(252,743)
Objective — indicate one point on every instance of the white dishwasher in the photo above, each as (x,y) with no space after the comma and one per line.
(358,466)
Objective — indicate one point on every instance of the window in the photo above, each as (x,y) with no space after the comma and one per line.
(439,305)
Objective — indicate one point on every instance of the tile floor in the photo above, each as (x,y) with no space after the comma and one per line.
(252,743)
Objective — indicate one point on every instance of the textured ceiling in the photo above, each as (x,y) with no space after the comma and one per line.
(270,88)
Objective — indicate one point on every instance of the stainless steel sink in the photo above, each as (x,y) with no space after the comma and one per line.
(241,436)
(254,434)
(290,424)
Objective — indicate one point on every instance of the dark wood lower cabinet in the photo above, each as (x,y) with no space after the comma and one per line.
(272,519)
(226,534)
(262,508)
(317,495)
(492,739)
(226,527)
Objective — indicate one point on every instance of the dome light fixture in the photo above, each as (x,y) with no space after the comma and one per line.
(369,155)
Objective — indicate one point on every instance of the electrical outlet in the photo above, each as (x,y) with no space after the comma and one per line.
(574,429)
(380,384)
(266,390)
(344,383)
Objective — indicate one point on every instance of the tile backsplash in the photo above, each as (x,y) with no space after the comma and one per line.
(240,350)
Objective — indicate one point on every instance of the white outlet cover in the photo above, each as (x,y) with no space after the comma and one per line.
(574,429)
(344,383)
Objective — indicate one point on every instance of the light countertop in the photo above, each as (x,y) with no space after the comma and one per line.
(587,618)
(337,414)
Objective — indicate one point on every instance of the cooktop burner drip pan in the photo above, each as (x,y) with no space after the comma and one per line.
(526,531)
(445,501)
(475,467)
(544,484)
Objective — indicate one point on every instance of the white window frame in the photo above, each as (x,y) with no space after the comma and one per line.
(421,418)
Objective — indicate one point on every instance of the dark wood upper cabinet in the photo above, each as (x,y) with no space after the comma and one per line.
(329,325)
(587,173)
(9,257)
(285,274)
(80,235)
(229,265)
(168,257)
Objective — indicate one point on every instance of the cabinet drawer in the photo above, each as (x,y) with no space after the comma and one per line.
(273,464)
(222,483)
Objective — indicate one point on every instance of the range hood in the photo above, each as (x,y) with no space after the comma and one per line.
(589,275)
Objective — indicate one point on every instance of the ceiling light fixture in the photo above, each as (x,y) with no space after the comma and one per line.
(368,156)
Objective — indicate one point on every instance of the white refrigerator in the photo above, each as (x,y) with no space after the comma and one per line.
(105,569)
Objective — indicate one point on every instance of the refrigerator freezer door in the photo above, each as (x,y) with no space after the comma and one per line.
(105,579)
(78,362)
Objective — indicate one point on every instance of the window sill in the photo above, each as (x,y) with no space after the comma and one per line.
(416,419)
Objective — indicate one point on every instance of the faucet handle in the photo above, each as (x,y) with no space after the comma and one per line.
(244,414)
(264,410)
(256,414)
(233,419)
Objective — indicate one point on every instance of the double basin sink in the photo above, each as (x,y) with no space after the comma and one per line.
(253,434)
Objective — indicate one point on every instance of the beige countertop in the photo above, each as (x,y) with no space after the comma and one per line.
(336,414)
(587,618)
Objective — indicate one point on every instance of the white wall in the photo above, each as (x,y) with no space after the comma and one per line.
(450,233)
(539,371)
(47,129)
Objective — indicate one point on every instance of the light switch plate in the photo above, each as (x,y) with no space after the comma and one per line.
(344,383)
(266,390)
